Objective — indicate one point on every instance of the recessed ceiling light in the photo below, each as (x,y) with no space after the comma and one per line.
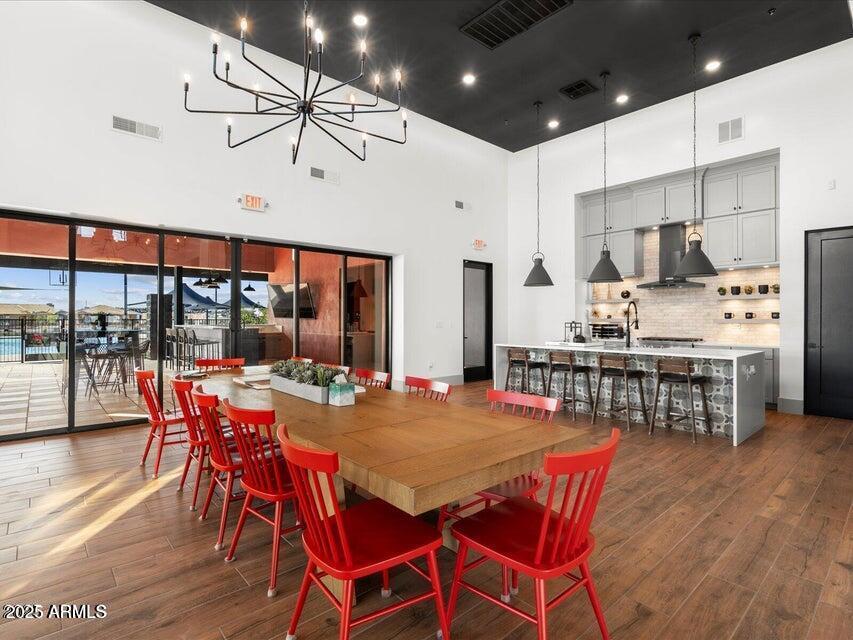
(359,20)
(713,65)
(621,98)
(469,79)
(553,124)
(731,268)
(654,228)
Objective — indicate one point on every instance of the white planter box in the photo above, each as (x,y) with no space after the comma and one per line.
(311,392)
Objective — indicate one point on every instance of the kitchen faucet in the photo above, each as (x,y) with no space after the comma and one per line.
(628,322)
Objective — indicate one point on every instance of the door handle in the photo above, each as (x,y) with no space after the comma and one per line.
(814,345)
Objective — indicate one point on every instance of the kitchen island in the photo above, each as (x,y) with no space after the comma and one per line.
(735,390)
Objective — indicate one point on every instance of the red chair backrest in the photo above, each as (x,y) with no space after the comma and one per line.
(342,367)
(220,363)
(370,378)
(427,388)
(263,466)
(524,404)
(183,392)
(301,359)
(312,472)
(563,536)
(208,409)
(145,382)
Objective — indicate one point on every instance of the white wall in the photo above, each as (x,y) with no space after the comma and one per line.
(801,106)
(67,67)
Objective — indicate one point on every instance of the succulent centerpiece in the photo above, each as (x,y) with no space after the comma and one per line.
(306,380)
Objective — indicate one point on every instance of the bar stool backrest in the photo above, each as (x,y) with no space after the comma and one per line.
(518,355)
(563,537)
(612,362)
(561,357)
(675,365)
(220,453)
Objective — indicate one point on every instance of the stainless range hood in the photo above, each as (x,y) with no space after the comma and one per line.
(670,253)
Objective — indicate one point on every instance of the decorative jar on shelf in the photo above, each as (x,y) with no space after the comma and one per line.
(763,289)
(736,290)
(748,290)
(722,290)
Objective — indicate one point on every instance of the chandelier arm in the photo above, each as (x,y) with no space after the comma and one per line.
(289,106)
(337,115)
(361,157)
(394,110)
(372,135)
(234,85)
(295,148)
(233,113)
(292,93)
(350,104)
(319,73)
(343,84)
(258,135)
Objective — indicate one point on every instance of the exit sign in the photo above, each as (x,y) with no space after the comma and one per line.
(251,202)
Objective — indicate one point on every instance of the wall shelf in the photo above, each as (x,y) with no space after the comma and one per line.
(745,321)
(610,301)
(754,296)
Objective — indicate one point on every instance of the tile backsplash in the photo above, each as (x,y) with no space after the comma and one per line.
(693,313)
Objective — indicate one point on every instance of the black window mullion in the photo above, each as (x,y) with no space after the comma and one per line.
(71,363)
(236,320)
(161,309)
(296,277)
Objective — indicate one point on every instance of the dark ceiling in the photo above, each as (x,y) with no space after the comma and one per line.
(643,43)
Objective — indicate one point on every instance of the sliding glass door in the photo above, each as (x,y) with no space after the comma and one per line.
(321,307)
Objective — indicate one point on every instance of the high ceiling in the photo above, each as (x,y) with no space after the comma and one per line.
(642,43)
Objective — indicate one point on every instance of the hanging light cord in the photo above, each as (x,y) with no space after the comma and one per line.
(693,39)
(604,76)
(538,109)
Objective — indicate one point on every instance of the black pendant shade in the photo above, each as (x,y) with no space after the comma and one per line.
(198,283)
(605,270)
(248,287)
(538,277)
(695,263)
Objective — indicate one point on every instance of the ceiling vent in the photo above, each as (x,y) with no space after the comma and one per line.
(331,177)
(578,89)
(142,129)
(730,130)
(508,18)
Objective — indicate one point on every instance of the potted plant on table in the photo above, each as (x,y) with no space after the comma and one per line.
(304,379)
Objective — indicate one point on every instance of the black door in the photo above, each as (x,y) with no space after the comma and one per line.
(829,321)
(477,320)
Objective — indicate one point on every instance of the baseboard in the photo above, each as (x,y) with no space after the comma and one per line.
(789,405)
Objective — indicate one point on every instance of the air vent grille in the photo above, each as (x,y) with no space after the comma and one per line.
(329,177)
(318,173)
(126,125)
(508,18)
(730,130)
(578,89)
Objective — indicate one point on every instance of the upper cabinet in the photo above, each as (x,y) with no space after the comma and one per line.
(741,239)
(649,207)
(626,251)
(752,189)
(619,214)
(679,202)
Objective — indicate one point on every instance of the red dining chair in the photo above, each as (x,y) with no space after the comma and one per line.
(219,364)
(199,445)
(426,388)
(342,367)
(224,458)
(371,537)
(369,378)
(166,426)
(527,485)
(542,541)
(301,359)
(264,477)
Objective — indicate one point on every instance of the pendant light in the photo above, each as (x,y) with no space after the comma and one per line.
(538,277)
(605,270)
(248,287)
(695,263)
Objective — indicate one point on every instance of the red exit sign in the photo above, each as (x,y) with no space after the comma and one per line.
(251,202)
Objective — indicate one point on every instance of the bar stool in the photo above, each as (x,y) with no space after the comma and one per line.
(520,358)
(679,371)
(564,362)
(615,367)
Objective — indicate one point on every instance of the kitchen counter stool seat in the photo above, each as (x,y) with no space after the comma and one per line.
(672,371)
(563,362)
(614,368)
(520,359)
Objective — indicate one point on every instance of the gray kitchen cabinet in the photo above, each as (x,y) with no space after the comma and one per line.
(721,195)
(679,202)
(649,207)
(626,251)
(720,240)
(593,216)
(769,380)
(619,214)
(757,235)
(757,189)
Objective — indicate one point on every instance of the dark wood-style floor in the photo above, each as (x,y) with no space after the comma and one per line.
(705,541)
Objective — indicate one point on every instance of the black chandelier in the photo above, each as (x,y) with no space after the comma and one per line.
(308,105)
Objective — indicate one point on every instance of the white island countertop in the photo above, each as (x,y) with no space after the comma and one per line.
(672,352)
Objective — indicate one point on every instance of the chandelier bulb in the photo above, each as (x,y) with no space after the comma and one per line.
(309,22)
(352,98)
(376,79)
(227,56)
(229,121)
(244,26)
(404,115)
(399,76)
(363,47)
(292,142)
(187,78)
(318,36)
(256,86)
(364,138)
(215,37)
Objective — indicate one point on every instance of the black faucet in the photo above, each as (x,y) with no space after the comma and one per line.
(628,322)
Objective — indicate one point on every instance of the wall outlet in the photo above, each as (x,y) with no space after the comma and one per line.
(430,364)
(830,185)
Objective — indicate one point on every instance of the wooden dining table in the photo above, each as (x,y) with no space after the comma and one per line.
(414,453)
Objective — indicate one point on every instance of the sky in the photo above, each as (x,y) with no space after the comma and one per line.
(98,288)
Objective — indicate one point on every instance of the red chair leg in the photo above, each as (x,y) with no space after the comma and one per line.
(386,584)
(541,602)
(223,519)
(442,517)
(209,497)
(443,625)
(276,546)
(346,609)
(514,588)
(594,601)
(202,455)
(147,445)
(159,450)
(300,601)
(243,513)
(461,554)
(505,584)
(187,464)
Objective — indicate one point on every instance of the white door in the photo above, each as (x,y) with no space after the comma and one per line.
(721,195)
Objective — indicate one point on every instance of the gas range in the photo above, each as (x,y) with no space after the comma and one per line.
(666,342)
